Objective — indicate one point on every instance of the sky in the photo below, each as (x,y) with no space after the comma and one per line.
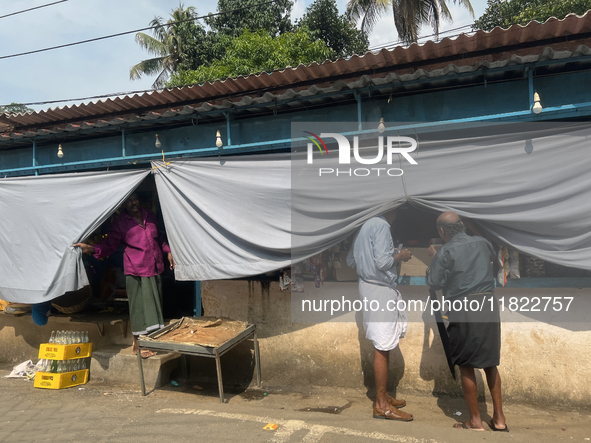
(78,73)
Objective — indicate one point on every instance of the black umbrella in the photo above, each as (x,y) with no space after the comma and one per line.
(442,333)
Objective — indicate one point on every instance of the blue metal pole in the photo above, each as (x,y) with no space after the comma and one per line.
(530,83)
(227,114)
(358,98)
(198,303)
(35,156)
(123,143)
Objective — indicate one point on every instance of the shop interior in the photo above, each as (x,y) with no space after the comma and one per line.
(415,229)
(107,294)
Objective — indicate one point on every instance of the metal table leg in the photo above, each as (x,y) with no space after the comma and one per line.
(185,366)
(139,362)
(257,359)
(218,366)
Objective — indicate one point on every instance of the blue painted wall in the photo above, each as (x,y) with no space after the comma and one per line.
(426,106)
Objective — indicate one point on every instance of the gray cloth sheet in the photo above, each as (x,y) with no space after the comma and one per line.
(528,187)
(42,217)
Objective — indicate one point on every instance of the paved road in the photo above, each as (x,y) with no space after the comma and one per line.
(116,413)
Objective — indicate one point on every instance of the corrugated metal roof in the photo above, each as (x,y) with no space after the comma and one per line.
(291,94)
(462,54)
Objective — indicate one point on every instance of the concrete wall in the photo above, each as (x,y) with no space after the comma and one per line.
(20,337)
(539,361)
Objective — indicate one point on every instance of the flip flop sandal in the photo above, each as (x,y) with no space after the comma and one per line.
(494,428)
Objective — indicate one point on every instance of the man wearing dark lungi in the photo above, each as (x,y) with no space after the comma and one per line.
(136,229)
(463,269)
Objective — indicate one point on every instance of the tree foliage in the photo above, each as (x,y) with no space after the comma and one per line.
(176,43)
(246,37)
(274,18)
(505,13)
(322,20)
(255,52)
(408,15)
(15,108)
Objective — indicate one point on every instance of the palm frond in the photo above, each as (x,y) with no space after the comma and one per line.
(161,80)
(168,44)
(428,11)
(370,10)
(466,4)
(160,30)
(150,44)
(446,13)
(407,17)
(148,67)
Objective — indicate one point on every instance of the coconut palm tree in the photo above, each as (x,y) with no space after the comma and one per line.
(171,43)
(409,15)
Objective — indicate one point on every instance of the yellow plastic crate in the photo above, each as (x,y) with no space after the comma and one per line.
(48,380)
(51,351)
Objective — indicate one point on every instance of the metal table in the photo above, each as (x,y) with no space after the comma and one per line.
(200,351)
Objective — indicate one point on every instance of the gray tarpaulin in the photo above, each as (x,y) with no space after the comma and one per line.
(41,217)
(226,219)
(529,187)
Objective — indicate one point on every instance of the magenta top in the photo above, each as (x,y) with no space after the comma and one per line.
(142,255)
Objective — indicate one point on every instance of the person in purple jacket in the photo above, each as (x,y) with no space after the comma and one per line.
(136,230)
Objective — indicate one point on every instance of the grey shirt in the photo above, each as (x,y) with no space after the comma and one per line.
(463,266)
(373,252)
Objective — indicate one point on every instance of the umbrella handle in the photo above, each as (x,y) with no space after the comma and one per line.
(443,333)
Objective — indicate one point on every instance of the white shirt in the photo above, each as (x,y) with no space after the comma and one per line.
(373,252)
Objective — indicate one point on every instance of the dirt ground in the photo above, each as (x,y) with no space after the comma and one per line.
(119,413)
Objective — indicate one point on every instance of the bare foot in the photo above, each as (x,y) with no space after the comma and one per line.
(466,425)
(147,353)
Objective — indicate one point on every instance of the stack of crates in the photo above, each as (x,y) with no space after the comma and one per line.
(58,352)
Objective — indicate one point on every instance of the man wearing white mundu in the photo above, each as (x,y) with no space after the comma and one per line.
(375,258)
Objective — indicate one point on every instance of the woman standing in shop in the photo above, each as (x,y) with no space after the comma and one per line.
(143,264)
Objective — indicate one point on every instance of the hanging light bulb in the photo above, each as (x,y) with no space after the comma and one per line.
(60,152)
(218,139)
(537,108)
(158,143)
(381,126)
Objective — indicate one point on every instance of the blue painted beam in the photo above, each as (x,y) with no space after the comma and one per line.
(549,282)
(531,282)
(407,280)
(565,111)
